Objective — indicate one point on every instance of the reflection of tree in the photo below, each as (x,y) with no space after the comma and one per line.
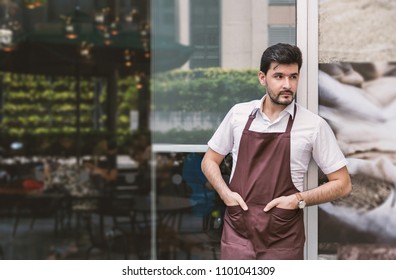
(195,101)
(204,90)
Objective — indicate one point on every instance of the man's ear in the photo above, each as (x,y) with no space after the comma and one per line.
(262,78)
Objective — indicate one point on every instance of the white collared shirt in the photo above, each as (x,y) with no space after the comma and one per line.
(311,137)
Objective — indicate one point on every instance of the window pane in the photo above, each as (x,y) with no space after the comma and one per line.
(282,35)
(223,42)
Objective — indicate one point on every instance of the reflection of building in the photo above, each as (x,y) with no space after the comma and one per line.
(225,33)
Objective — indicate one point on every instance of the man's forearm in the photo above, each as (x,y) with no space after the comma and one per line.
(211,168)
(339,185)
(213,173)
(324,193)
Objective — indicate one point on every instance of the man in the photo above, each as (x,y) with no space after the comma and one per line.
(272,141)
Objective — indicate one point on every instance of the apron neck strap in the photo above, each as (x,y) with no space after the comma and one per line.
(252,116)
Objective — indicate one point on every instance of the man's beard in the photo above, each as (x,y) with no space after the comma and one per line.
(275,100)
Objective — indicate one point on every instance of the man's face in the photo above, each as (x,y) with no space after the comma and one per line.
(281,82)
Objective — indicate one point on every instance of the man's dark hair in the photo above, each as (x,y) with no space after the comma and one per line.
(282,54)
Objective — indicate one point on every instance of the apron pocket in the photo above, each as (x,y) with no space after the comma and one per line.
(236,219)
(284,214)
(286,228)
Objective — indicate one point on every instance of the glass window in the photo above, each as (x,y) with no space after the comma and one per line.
(67,114)
(281,34)
(205,33)
(282,2)
(164,18)
(190,98)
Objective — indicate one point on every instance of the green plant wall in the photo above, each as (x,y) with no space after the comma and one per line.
(41,112)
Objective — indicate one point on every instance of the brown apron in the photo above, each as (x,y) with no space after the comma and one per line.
(262,173)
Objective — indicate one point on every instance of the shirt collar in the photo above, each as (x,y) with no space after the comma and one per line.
(289,109)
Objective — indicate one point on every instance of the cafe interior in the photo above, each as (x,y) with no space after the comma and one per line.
(78,176)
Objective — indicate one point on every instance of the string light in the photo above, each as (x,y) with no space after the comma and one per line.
(86,49)
(33,4)
(70,29)
(107,24)
(100,18)
(114,27)
(70,33)
(129,17)
(128,58)
(107,37)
